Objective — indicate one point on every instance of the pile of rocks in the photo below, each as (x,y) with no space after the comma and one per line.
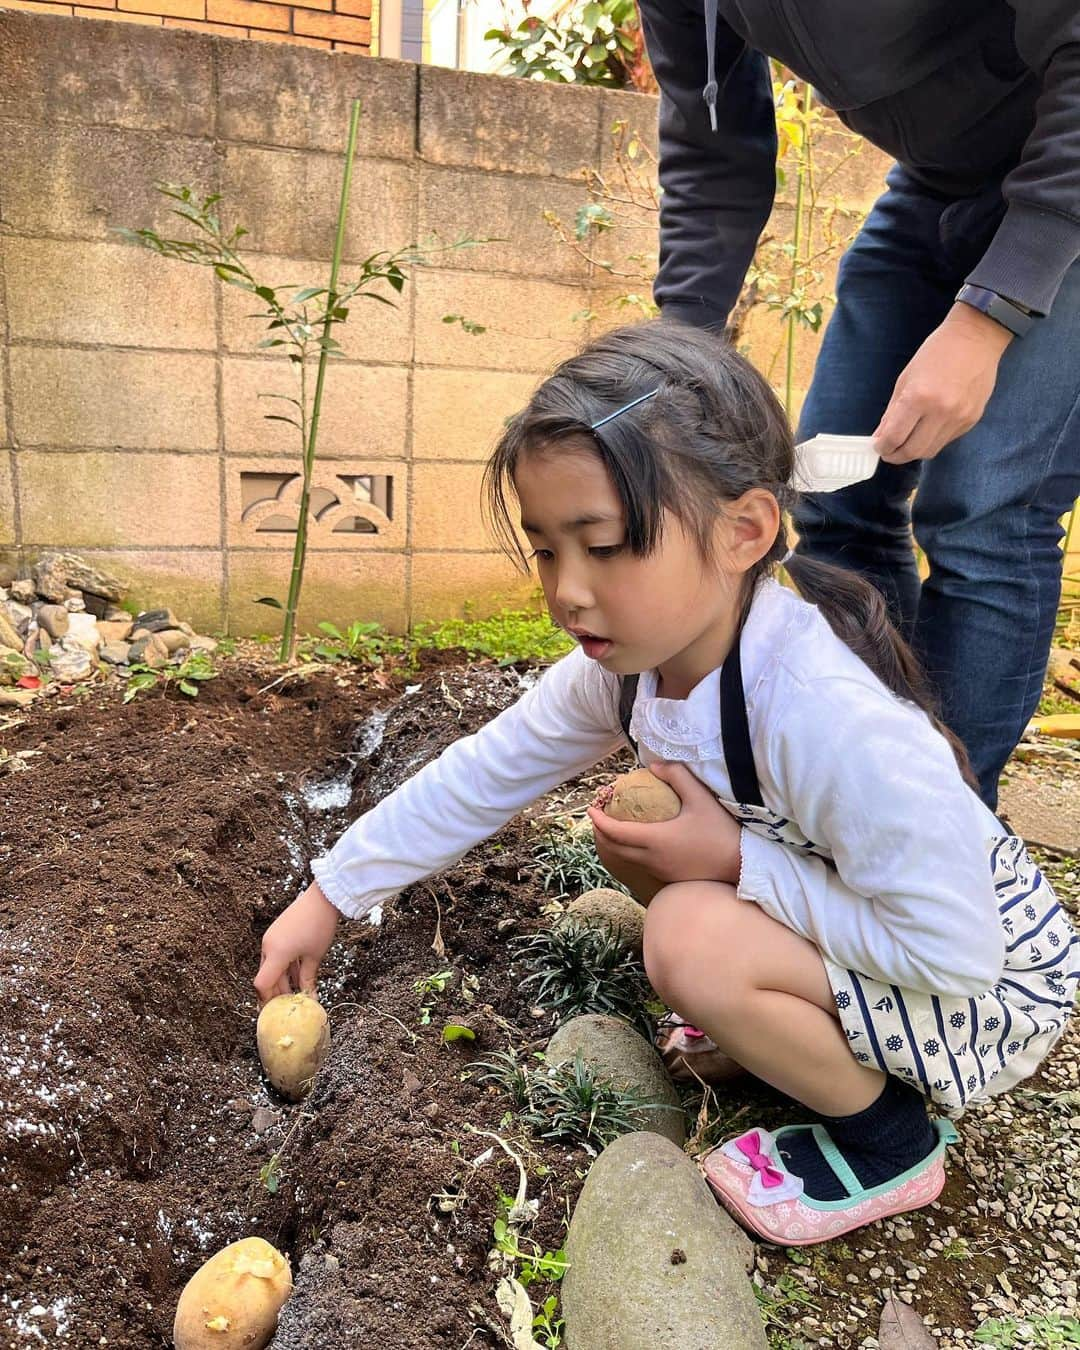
(62,621)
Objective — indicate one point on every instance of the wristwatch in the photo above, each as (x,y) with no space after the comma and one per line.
(1008,313)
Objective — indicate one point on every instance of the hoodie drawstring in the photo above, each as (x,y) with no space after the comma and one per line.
(711,89)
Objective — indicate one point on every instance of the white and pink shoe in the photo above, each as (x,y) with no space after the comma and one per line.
(689,1054)
(750,1179)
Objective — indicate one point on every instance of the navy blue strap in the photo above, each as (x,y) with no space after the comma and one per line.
(734,727)
(627,693)
(735,732)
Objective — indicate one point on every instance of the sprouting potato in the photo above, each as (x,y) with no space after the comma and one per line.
(293,1038)
(233,1300)
(640,796)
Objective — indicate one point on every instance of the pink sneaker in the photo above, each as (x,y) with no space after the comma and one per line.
(750,1179)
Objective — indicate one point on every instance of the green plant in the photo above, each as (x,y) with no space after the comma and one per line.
(595,43)
(270,1173)
(547,1325)
(194,670)
(956,1250)
(543,1266)
(428,987)
(508,637)
(506,1071)
(624,202)
(304,327)
(510,1247)
(362,642)
(571,1103)
(536,1263)
(574,969)
(787,277)
(575,1103)
(567,860)
(469,326)
(1050,1332)
(302,323)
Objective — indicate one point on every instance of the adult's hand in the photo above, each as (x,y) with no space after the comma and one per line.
(944,389)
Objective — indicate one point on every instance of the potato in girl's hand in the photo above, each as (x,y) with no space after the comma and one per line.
(233,1300)
(294,1039)
(639,796)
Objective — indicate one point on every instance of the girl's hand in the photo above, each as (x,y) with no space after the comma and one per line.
(295,944)
(700,844)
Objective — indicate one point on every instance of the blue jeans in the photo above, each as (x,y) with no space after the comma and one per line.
(986,511)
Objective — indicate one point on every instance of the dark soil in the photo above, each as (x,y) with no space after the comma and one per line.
(143,851)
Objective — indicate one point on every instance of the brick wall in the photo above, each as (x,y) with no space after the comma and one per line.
(332,25)
(130,429)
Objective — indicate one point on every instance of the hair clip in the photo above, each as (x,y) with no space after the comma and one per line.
(625,408)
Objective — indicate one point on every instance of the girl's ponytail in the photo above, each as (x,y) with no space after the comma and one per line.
(856,612)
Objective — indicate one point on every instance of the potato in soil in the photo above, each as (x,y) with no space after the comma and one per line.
(294,1039)
(233,1300)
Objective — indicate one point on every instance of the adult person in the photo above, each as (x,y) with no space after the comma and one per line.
(956,334)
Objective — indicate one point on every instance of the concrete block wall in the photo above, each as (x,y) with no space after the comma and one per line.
(131,426)
(130,423)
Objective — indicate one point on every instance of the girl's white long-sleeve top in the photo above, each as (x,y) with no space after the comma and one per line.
(907,896)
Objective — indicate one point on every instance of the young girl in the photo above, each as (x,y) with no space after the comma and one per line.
(834,907)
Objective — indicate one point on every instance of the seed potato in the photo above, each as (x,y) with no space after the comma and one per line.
(294,1039)
(233,1300)
(643,797)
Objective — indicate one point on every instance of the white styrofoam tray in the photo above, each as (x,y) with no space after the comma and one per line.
(827,463)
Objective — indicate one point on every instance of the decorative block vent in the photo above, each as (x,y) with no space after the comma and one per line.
(350,506)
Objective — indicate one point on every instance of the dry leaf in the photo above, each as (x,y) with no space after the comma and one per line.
(902,1328)
(514,1303)
(437,945)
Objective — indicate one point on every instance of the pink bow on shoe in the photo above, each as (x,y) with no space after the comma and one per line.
(766,1184)
(750,1145)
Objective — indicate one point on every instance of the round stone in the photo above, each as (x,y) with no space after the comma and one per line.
(605,907)
(617,1052)
(654,1263)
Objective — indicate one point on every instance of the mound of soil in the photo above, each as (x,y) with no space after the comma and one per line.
(144,850)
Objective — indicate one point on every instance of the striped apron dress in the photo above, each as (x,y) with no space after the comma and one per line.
(954,1050)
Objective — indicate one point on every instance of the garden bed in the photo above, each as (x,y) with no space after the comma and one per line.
(146,846)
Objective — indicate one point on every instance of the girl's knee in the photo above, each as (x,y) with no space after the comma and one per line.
(686,921)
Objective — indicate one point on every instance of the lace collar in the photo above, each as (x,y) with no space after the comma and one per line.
(688,728)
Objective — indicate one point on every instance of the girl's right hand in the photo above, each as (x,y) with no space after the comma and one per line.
(295,944)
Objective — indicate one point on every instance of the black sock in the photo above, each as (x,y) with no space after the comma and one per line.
(879,1143)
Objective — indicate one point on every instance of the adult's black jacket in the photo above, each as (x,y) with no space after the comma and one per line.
(963,93)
